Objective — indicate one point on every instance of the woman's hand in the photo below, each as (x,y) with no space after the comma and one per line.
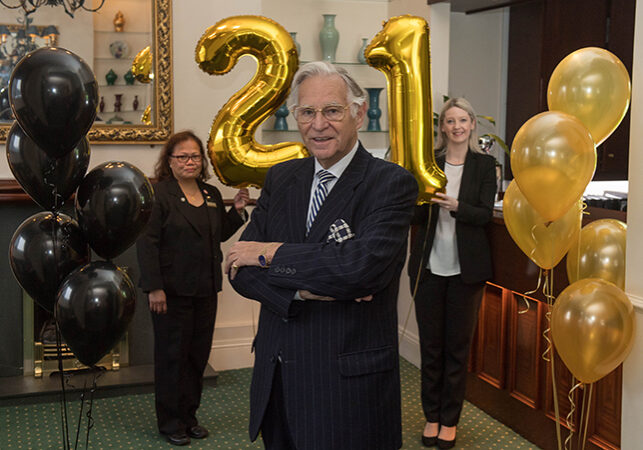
(446,202)
(158,302)
(241,199)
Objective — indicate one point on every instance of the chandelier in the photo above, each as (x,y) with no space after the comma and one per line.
(29,6)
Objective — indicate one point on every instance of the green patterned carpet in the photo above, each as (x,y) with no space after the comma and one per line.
(129,422)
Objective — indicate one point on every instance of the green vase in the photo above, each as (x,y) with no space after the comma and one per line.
(329,38)
(129,77)
(110,77)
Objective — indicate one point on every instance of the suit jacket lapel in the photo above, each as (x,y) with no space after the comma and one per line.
(212,207)
(340,195)
(299,198)
(182,203)
(468,174)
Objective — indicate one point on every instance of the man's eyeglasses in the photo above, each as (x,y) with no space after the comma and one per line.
(185,158)
(332,113)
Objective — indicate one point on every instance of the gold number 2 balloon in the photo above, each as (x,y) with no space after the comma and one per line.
(237,158)
(401,51)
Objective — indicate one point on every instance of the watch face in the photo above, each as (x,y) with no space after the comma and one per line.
(262,261)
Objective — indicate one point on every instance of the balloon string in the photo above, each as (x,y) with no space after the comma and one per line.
(420,268)
(587,410)
(80,413)
(548,355)
(525,294)
(63,398)
(569,419)
(90,418)
(583,209)
(583,411)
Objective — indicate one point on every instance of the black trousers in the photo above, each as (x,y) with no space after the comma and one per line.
(182,343)
(274,426)
(447,313)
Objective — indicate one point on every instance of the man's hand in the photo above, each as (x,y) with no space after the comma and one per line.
(241,199)
(246,253)
(158,302)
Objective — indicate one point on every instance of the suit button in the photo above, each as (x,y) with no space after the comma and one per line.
(294,271)
(288,271)
(272,359)
(285,319)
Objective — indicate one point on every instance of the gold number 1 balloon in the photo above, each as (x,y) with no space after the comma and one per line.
(237,158)
(401,51)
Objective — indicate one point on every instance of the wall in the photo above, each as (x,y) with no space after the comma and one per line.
(632,407)
(198,97)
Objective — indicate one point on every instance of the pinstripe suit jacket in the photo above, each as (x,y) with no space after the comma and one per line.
(339,359)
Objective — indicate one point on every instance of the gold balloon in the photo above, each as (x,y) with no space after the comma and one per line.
(146,116)
(593,85)
(552,159)
(401,51)
(142,66)
(593,328)
(237,158)
(544,242)
(599,252)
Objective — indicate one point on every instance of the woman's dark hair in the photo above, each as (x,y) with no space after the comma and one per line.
(162,169)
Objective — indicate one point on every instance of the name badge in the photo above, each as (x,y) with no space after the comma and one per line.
(211,204)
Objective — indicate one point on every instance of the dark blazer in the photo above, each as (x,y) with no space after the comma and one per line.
(339,359)
(168,251)
(475,209)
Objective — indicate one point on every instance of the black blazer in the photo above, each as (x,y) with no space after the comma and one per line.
(340,364)
(168,250)
(475,209)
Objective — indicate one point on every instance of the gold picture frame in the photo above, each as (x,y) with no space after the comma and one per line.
(162,115)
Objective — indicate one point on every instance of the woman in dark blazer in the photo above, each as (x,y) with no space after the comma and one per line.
(450,264)
(180,262)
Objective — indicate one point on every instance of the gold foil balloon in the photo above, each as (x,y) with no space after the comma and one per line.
(401,51)
(544,242)
(599,252)
(237,158)
(552,159)
(593,85)
(593,327)
(142,66)
(146,117)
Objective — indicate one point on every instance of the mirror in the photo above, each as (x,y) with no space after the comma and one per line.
(112,45)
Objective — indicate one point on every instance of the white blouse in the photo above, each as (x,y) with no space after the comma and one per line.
(444,259)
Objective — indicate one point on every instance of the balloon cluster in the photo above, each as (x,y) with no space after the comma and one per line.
(553,158)
(54,95)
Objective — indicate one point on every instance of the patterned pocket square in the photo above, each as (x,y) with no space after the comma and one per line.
(339,231)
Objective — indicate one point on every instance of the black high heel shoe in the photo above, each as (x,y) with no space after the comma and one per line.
(442,444)
(429,441)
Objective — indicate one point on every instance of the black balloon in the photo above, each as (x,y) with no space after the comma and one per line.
(49,181)
(54,95)
(95,306)
(43,251)
(113,204)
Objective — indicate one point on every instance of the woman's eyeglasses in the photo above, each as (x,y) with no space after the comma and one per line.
(306,114)
(185,158)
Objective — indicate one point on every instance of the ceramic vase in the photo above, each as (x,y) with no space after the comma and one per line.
(110,77)
(360,55)
(118,103)
(374,112)
(293,35)
(101,105)
(280,114)
(129,77)
(135,103)
(329,38)
(119,22)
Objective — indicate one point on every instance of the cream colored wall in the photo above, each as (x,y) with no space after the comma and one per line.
(198,97)
(632,406)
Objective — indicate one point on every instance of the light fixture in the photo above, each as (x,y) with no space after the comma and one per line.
(29,6)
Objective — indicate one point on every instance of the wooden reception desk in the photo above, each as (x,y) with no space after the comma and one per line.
(508,377)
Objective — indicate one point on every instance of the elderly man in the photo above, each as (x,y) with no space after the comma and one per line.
(323,254)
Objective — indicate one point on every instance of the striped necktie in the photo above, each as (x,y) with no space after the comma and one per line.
(320,195)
